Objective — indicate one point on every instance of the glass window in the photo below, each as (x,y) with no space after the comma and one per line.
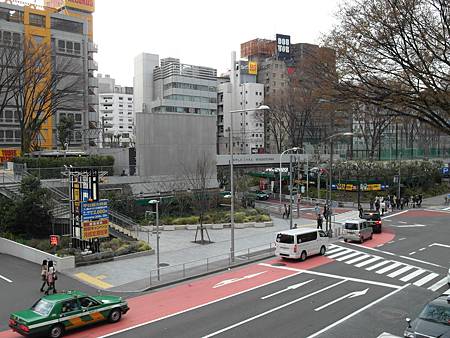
(70,306)
(67,25)
(61,45)
(37,20)
(283,238)
(42,307)
(351,226)
(436,313)
(69,46)
(7,36)
(10,15)
(77,47)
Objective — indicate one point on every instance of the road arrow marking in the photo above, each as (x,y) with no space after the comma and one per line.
(292,287)
(234,280)
(6,279)
(350,295)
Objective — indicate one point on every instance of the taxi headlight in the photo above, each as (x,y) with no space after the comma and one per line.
(408,334)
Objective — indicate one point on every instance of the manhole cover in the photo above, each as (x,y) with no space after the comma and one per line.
(278,264)
(161,265)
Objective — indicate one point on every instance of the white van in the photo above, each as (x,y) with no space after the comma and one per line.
(357,230)
(301,243)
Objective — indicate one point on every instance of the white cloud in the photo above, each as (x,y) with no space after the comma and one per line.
(200,32)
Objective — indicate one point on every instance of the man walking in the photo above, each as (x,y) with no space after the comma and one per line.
(319,222)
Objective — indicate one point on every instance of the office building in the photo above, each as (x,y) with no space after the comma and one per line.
(116,114)
(65,26)
(239,91)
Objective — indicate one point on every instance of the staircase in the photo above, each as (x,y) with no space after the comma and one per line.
(10,190)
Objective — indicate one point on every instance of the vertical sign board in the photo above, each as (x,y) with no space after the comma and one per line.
(95,220)
(283,46)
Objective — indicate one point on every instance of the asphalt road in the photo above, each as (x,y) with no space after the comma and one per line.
(19,287)
(357,291)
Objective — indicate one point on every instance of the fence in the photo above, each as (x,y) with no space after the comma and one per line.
(174,273)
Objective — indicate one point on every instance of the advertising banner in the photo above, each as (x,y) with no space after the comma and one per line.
(94,210)
(252,68)
(283,46)
(7,154)
(95,229)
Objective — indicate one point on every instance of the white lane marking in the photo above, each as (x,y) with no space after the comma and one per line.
(421,249)
(389,268)
(412,226)
(387,335)
(390,242)
(334,250)
(357,259)
(198,306)
(376,266)
(291,287)
(402,222)
(317,273)
(387,220)
(441,245)
(347,251)
(393,215)
(412,253)
(402,239)
(353,254)
(400,271)
(272,310)
(424,262)
(349,295)
(357,312)
(373,249)
(360,265)
(426,279)
(6,279)
(436,286)
(235,280)
(412,275)
(380,245)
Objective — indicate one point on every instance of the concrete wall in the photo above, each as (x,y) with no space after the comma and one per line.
(121,158)
(33,255)
(168,143)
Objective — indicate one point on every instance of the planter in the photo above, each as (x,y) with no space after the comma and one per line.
(191,227)
(217,226)
(260,225)
(169,227)
(268,224)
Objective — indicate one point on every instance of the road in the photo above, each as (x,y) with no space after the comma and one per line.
(355,291)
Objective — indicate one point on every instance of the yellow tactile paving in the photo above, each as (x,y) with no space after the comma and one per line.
(93,280)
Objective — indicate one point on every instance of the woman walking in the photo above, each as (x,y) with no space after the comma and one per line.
(51,277)
(44,269)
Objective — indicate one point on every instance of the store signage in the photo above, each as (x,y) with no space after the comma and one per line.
(95,229)
(252,68)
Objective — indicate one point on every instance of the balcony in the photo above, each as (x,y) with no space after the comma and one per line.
(93,82)
(110,117)
(92,65)
(92,47)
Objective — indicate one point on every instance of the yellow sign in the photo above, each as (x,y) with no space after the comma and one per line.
(83,5)
(7,154)
(252,68)
(95,229)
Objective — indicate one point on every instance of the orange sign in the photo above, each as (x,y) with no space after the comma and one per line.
(54,240)
(252,68)
(95,229)
(7,154)
(83,5)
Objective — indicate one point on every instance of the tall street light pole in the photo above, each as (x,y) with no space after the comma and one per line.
(281,155)
(260,108)
(330,139)
(156,202)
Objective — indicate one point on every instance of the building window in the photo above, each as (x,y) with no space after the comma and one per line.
(77,48)
(11,15)
(67,25)
(37,20)
(120,98)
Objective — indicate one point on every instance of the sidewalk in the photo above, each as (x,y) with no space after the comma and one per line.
(177,248)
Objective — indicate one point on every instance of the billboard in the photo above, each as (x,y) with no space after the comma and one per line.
(252,68)
(82,5)
(283,46)
(94,210)
(95,229)
(7,154)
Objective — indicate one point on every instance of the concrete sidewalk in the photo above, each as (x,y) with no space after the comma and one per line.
(177,248)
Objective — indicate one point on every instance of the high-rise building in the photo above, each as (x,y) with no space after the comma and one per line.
(144,65)
(116,113)
(239,91)
(65,26)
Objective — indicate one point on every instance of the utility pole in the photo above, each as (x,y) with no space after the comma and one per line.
(290,191)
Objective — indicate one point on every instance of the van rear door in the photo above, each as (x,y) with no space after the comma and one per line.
(285,244)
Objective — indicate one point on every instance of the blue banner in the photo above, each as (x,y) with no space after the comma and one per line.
(94,210)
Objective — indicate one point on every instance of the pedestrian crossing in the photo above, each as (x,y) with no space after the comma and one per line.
(391,268)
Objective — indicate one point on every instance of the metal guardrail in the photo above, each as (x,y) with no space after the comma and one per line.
(207,265)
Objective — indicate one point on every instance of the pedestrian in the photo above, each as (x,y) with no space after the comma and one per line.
(44,268)
(383,206)
(51,278)
(317,209)
(398,202)
(377,205)
(420,200)
(288,211)
(319,222)
(295,226)
(285,211)
(360,209)
(371,204)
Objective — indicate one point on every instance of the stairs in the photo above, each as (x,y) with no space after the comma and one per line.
(10,190)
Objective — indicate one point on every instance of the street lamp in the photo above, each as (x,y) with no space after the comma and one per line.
(260,108)
(330,139)
(156,202)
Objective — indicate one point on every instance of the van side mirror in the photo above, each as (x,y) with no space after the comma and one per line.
(408,320)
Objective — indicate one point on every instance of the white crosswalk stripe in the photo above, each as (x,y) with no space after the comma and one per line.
(353,254)
(412,275)
(357,259)
(389,268)
(400,271)
(376,266)
(426,279)
(436,286)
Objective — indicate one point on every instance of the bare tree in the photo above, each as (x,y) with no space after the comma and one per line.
(43,84)
(396,54)
(198,176)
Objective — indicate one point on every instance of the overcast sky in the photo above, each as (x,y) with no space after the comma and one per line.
(199,32)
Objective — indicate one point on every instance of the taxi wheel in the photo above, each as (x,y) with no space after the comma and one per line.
(115,316)
(56,331)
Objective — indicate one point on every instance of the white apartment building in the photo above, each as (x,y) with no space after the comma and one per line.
(239,91)
(116,113)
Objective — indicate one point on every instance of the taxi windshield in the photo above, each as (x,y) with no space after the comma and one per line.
(42,307)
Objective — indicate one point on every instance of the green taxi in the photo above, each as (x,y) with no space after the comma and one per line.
(52,315)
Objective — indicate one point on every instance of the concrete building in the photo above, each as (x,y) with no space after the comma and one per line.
(116,114)
(176,107)
(67,27)
(238,91)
